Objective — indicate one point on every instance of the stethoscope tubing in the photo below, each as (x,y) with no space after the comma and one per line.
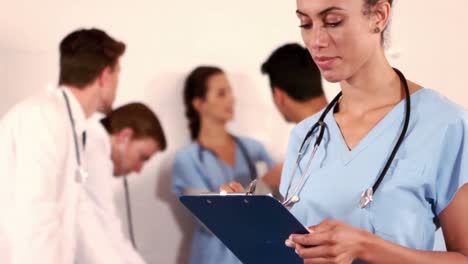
(320,124)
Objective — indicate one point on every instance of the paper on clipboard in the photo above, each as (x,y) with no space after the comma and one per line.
(253,227)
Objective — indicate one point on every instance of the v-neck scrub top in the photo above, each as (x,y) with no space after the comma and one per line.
(429,168)
(196,167)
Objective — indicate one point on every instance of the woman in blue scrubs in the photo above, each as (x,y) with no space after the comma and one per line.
(426,184)
(215,157)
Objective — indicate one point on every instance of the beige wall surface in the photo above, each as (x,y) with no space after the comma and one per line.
(166,39)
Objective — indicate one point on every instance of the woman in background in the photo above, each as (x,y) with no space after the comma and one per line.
(215,157)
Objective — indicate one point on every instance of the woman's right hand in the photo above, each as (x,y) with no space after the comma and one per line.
(232,187)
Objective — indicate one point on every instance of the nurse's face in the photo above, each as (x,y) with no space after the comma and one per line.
(339,34)
(133,154)
(218,103)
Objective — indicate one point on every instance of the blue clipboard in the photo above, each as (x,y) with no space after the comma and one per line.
(253,227)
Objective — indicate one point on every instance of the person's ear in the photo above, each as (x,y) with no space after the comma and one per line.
(125,135)
(104,76)
(197,103)
(279,96)
(380,16)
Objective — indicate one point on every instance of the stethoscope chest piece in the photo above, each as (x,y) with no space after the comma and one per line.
(366,198)
(81,175)
(295,199)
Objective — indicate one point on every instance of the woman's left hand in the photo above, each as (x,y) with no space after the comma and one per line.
(232,187)
(330,242)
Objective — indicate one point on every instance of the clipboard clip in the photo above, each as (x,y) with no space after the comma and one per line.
(252,188)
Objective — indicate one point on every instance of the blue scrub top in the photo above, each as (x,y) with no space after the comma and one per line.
(198,168)
(429,168)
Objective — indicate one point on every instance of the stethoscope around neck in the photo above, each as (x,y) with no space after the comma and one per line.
(367,195)
(245,154)
(80,174)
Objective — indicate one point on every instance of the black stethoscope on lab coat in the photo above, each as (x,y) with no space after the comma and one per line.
(81,174)
(367,195)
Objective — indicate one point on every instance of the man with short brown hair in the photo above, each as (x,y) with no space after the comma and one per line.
(118,145)
(41,159)
(131,126)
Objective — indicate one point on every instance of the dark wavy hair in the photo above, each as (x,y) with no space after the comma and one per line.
(196,87)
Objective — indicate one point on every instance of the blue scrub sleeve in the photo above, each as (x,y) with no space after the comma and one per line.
(263,155)
(186,174)
(451,163)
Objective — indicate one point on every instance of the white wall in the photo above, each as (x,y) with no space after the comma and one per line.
(167,38)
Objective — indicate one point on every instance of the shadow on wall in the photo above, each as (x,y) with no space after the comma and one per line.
(184,219)
(166,94)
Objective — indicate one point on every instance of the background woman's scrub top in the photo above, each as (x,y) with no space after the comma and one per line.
(198,168)
(429,168)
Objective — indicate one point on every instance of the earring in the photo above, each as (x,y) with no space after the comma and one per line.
(376,30)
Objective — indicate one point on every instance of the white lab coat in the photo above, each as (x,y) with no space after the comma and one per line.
(111,241)
(40,198)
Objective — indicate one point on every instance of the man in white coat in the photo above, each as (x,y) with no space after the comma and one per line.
(41,156)
(118,145)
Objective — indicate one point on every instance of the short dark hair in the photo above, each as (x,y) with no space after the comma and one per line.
(84,53)
(139,118)
(291,69)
